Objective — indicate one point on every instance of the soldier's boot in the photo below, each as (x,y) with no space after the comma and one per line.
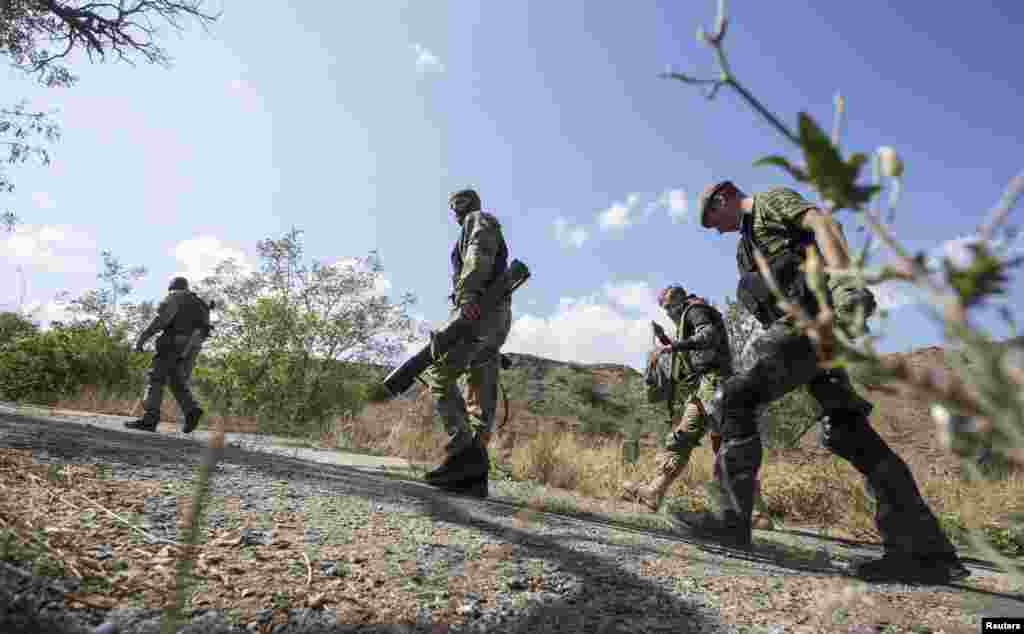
(736,467)
(916,548)
(465,462)
(470,476)
(670,466)
(146,423)
(192,420)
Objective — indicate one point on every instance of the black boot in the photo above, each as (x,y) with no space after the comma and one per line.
(902,568)
(736,467)
(915,544)
(142,424)
(465,473)
(192,420)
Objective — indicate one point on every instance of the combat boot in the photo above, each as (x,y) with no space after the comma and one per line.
(476,486)
(470,464)
(728,528)
(911,568)
(653,494)
(192,420)
(142,424)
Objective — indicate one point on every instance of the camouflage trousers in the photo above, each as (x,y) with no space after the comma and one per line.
(167,367)
(479,361)
(689,427)
(785,360)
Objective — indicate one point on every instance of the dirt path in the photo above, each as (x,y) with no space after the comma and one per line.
(298,537)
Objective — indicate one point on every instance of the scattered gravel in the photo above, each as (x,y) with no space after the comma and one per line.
(591,575)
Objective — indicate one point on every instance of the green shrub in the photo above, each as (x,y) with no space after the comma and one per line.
(45,366)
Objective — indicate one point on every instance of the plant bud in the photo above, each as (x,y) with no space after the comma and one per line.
(892,166)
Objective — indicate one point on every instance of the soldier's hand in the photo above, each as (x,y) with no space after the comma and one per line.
(471,311)
(665,349)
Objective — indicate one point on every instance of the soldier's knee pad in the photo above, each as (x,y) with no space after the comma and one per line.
(847,434)
(734,404)
(681,442)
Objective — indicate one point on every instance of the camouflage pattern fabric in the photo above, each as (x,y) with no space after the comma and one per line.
(479,256)
(777,214)
(689,427)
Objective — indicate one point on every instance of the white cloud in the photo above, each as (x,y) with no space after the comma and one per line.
(53,248)
(426,61)
(46,313)
(611,327)
(43,200)
(619,215)
(201,255)
(674,201)
(568,234)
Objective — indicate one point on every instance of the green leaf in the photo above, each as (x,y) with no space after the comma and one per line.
(782,162)
(834,178)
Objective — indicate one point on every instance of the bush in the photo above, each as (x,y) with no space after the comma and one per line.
(45,366)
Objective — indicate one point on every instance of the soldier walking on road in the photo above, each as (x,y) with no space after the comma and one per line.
(781,224)
(184,320)
(478,258)
(701,360)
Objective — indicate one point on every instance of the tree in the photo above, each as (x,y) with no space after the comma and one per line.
(293,339)
(37,36)
(105,306)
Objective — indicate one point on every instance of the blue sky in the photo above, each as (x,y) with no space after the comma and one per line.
(354,124)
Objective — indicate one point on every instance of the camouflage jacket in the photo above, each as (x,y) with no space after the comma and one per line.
(773,224)
(703,328)
(480,255)
(180,313)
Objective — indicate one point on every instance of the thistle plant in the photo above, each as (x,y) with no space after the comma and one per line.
(983,407)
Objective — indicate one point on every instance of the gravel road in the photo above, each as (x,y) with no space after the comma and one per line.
(597,574)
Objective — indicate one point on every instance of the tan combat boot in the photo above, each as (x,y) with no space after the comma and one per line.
(652,494)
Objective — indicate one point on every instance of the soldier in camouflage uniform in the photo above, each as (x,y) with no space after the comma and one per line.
(700,361)
(781,224)
(184,319)
(479,257)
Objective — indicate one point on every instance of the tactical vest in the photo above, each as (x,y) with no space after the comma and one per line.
(753,291)
(500,261)
(697,362)
(192,313)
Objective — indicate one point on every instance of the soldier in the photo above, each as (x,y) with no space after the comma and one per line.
(781,224)
(703,360)
(478,258)
(184,319)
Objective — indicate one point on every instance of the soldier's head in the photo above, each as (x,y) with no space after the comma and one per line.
(463,202)
(721,207)
(672,300)
(178,284)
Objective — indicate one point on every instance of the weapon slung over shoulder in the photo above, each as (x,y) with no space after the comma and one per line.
(456,330)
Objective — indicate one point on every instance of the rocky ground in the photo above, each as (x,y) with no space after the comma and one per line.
(296,541)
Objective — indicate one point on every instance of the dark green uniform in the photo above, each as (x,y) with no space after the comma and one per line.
(184,320)
(785,360)
(478,258)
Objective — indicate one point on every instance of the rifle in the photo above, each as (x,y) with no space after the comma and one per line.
(456,330)
(661,336)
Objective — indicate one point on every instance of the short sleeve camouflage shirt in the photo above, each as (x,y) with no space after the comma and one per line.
(777,215)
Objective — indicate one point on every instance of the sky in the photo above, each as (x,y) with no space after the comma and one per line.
(354,123)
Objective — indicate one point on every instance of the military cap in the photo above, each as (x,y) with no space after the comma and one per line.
(178,284)
(706,196)
(673,294)
(466,192)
